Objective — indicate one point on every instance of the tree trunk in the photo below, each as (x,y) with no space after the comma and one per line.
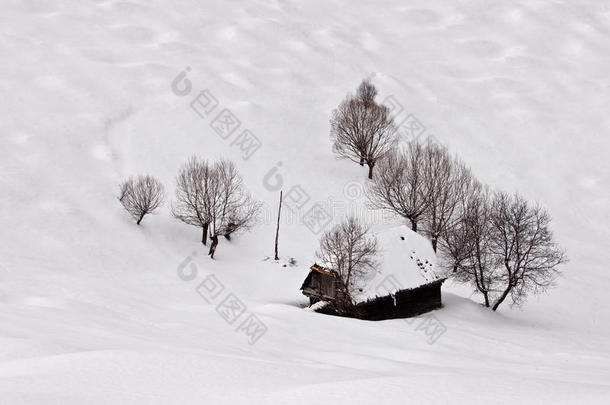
(413,225)
(508,287)
(204,236)
(277,230)
(486,299)
(502,297)
(140,220)
(434,243)
(213,245)
(230,229)
(371,165)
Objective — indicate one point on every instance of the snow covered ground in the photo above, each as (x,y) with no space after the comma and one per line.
(96,310)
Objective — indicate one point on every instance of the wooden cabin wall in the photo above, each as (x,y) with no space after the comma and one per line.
(408,303)
(328,286)
(320,285)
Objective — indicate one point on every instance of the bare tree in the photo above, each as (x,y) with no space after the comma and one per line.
(351,251)
(398,185)
(366,93)
(362,130)
(466,246)
(445,180)
(524,247)
(502,245)
(193,197)
(231,207)
(212,197)
(141,196)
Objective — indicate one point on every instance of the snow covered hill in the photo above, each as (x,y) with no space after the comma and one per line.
(96,310)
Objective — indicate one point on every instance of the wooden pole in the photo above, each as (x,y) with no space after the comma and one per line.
(277,230)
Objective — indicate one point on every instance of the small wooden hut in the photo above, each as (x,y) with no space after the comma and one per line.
(403,286)
(320,284)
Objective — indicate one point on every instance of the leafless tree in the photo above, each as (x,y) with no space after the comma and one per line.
(466,246)
(231,207)
(141,195)
(213,197)
(193,197)
(351,251)
(503,246)
(398,185)
(362,130)
(366,93)
(524,247)
(445,181)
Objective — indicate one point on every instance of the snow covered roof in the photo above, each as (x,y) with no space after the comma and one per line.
(406,261)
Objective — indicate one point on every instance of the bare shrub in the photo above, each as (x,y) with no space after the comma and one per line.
(350,250)
(141,196)
(362,130)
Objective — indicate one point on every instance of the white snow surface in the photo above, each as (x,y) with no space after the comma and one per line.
(406,260)
(92,307)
